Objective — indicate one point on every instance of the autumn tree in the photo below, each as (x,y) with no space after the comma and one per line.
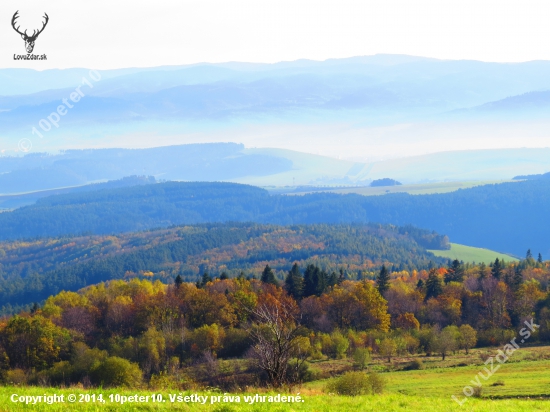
(387,348)
(445,342)
(406,321)
(34,342)
(203,308)
(467,338)
(495,303)
(359,306)
(276,334)
(361,357)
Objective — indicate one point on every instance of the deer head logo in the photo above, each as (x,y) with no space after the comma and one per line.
(29,40)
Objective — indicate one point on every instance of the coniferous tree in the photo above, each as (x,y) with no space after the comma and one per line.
(268,276)
(434,288)
(224,276)
(517,280)
(342,276)
(332,280)
(308,281)
(383,280)
(420,284)
(294,282)
(314,281)
(455,272)
(206,278)
(482,269)
(539,258)
(496,271)
(320,280)
(528,255)
(178,281)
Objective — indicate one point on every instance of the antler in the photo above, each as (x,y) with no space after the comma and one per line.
(34,35)
(15,17)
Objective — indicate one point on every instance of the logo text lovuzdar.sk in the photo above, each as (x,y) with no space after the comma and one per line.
(29,39)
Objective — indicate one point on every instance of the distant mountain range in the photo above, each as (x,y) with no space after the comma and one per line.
(363,107)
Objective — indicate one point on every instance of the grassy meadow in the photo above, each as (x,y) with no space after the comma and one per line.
(472,254)
(521,384)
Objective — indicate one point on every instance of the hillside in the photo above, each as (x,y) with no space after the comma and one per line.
(33,270)
(266,167)
(483,216)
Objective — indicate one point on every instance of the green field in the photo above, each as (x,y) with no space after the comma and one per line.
(472,254)
(311,402)
(522,384)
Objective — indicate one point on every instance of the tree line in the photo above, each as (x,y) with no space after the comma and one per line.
(227,332)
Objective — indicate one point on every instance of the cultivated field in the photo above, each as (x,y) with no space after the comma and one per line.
(417,189)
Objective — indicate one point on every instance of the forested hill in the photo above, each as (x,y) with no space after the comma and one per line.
(508,217)
(33,270)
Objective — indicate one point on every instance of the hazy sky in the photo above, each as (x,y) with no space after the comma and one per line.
(120,33)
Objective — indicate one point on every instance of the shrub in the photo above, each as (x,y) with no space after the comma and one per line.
(326,344)
(415,365)
(484,356)
(299,372)
(341,344)
(351,384)
(116,371)
(498,383)
(164,381)
(16,377)
(477,391)
(59,373)
(376,383)
(357,383)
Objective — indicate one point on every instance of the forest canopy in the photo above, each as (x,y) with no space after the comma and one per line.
(30,271)
(483,216)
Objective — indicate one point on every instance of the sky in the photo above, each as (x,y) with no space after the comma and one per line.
(105,34)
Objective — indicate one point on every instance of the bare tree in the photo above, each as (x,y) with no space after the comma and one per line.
(275,332)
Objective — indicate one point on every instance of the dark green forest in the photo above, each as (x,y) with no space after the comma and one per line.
(508,217)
